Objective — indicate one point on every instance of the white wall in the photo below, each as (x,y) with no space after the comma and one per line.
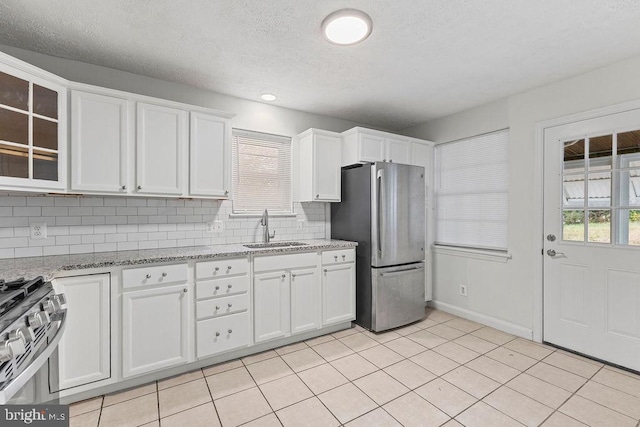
(505,291)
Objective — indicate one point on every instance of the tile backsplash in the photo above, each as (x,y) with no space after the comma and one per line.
(84,224)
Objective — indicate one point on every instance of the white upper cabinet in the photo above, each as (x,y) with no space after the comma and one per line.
(33,128)
(316,166)
(161,147)
(210,156)
(367,145)
(99,143)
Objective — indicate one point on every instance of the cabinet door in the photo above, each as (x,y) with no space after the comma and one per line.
(210,156)
(371,148)
(420,155)
(338,293)
(155,329)
(84,351)
(161,144)
(305,300)
(271,305)
(99,139)
(326,162)
(398,151)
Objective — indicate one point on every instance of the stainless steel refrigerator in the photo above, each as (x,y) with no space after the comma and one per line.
(383,209)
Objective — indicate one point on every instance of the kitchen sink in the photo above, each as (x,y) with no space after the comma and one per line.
(274,245)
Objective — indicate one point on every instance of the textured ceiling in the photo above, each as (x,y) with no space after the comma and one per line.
(424,59)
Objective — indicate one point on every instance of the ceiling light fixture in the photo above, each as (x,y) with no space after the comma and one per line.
(346,27)
(268,97)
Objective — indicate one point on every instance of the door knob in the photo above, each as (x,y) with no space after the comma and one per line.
(552,253)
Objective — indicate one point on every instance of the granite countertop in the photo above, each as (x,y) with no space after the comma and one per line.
(51,266)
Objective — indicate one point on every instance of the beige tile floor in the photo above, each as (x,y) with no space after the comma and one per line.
(441,371)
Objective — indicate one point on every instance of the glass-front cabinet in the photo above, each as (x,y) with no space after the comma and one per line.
(32,127)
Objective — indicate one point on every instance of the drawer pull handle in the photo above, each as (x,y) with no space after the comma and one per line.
(335,257)
(217,307)
(229,305)
(164,274)
(217,268)
(229,286)
(217,334)
(148,276)
(228,267)
(343,257)
(230,331)
(217,288)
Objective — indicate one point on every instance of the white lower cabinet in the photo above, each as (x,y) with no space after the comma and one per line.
(156,329)
(338,286)
(305,295)
(271,296)
(222,334)
(84,350)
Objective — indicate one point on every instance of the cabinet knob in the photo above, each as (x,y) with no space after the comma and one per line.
(217,288)
(228,267)
(343,257)
(139,187)
(229,286)
(164,274)
(217,334)
(148,276)
(216,269)
(229,305)
(185,290)
(335,257)
(284,275)
(317,196)
(124,187)
(325,270)
(217,307)
(230,331)
(293,276)
(226,192)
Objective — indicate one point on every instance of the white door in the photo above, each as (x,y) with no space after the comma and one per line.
(592,237)
(272,305)
(210,156)
(305,300)
(161,144)
(88,328)
(99,139)
(155,329)
(327,159)
(338,293)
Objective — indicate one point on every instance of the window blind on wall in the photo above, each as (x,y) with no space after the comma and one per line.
(471,192)
(261,172)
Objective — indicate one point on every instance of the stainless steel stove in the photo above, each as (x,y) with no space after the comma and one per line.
(32,320)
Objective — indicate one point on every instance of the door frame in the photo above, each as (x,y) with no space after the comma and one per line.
(538,200)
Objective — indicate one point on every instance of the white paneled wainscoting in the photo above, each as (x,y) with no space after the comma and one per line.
(85,224)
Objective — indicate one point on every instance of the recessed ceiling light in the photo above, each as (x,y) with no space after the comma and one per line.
(268,97)
(346,26)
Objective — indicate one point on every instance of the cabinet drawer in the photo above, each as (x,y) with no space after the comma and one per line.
(285,262)
(222,287)
(335,257)
(222,268)
(222,334)
(221,306)
(156,275)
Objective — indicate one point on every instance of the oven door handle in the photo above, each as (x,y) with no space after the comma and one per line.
(18,382)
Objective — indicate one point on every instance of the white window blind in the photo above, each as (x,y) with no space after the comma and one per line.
(261,172)
(471,193)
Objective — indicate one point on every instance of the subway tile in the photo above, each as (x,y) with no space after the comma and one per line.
(80,211)
(68,220)
(66,201)
(147,211)
(80,249)
(93,220)
(39,201)
(116,220)
(134,219)
(55,250)
(135,237)
(157,219)
(12,221)
(184,227)
(14,242)
(156,202)
(91,201)
(115,201)
(153,244)
(27,252)
(58,231)
(118,237)
(6,232)
(171,243)
(136,201)
(105,229)
(147,228)
(93,238)
(126,210)
(127,246)
(104,210)
(13,201)
(81,229)
(68,240)
(128,228)
(7,253)
(6,211)
(105,247)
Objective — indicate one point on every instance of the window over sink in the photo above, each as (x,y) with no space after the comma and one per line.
(261,173)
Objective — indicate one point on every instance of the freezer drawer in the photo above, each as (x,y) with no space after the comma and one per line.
(397,296)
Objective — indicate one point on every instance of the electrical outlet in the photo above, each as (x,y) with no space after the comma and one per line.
(301,224)
(213,227)
(39,231)
(463,290)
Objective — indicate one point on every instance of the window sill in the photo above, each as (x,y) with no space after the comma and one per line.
(259,215)
(482,254)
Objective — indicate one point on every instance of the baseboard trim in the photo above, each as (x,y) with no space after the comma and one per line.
(499,324)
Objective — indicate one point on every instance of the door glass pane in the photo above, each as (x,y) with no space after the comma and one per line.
(573,190)
(45,101)
(599,189)
(630,226)
(600,226)
(574,155)
(45,165)
(573,225)
(629,184)
(14,127)
(45,134)
(600,152)
(14,92)
(14,161)
(629,142)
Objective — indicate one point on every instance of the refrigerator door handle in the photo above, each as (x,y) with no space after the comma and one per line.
(404,270)
(380,177)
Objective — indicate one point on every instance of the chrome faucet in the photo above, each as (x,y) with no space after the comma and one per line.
(266,237)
